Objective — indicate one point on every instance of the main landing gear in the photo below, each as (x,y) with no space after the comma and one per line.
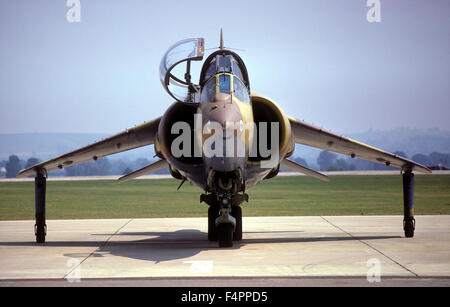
(225,213)
(224,217)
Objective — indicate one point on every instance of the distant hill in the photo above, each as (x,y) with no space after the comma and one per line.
(410,141)
(48,145)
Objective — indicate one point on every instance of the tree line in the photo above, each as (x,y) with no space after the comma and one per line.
(100,167)
(326,161)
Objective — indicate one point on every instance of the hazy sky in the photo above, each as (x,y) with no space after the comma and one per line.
(322,61)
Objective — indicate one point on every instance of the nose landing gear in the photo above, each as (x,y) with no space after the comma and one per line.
(224,217)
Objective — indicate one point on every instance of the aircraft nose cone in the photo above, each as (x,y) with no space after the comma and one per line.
(228,116)
(225,114)
(222,113)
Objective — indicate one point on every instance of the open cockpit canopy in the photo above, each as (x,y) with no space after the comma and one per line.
(180,87)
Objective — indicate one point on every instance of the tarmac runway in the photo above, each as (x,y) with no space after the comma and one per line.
(275,251)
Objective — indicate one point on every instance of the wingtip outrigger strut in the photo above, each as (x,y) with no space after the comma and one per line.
(40,184)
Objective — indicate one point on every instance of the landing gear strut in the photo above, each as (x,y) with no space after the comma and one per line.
(40,228)
(409,223)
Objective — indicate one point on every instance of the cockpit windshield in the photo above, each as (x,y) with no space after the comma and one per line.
(224,63)
(240,91)
(221,64)
(224,83)
(224,76)
(236,70)
(211,69)
(209,91)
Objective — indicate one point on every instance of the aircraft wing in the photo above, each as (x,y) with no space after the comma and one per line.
(138,136)
(313,136)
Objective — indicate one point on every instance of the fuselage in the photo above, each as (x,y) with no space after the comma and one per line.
(225,109)
(225,137)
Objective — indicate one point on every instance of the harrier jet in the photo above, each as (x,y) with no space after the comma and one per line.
(222,137)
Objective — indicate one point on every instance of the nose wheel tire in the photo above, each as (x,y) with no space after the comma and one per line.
(225,234)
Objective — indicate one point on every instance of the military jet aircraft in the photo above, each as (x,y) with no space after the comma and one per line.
(217,135)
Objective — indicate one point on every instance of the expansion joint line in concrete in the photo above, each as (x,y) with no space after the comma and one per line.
(370,246)
(99,248)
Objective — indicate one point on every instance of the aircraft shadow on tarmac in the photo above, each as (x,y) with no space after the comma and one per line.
(167,246)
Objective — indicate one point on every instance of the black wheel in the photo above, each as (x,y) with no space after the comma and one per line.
(213,213)
(40,234)
(225,235)
(236,212)
(409,226)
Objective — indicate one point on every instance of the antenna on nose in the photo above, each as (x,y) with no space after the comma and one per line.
(221,46)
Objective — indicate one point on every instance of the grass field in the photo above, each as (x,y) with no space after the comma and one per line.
(300,195)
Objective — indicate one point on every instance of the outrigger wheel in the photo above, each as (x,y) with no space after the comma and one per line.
(409,224)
